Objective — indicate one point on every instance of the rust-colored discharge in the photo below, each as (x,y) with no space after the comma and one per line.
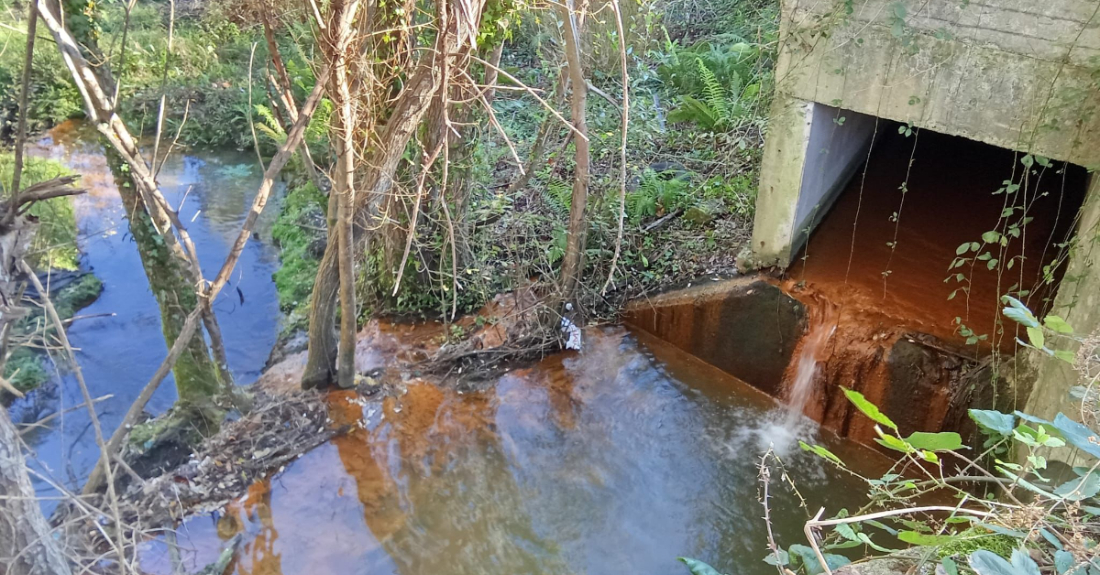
(896,337)
(423,427)
(950,201)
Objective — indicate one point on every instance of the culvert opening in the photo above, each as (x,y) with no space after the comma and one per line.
(930,230)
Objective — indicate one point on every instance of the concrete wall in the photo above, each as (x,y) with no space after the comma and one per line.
(821,150)
(1018,74)
(1012,73)
(1078,302)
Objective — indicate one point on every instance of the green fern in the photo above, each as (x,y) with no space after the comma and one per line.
(560,195)
(713,92)
(268,125)
(656,194)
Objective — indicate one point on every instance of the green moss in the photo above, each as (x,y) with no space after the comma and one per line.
(975,539)
(298,227)
(77,295)
(26,369)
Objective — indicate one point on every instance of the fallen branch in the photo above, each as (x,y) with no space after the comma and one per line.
(662,221)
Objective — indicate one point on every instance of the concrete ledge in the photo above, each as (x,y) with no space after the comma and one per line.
(744,326)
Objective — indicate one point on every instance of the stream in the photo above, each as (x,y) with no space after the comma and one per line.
(119,353)
(617,459)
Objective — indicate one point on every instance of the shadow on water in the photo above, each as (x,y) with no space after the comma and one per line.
(616,460)
(118,354)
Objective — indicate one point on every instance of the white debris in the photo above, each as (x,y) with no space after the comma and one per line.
(571,331)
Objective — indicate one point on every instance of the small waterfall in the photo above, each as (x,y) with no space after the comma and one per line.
(782,430)
(812,350)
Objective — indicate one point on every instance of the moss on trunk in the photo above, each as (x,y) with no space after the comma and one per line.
(196,375)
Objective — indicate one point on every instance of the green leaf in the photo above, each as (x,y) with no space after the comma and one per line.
(820,452)
(962,249)
(864,538)
(942,441)
(1063,561)
(1080,488)
(1057,324)
(1080,436)
(914,538)
(991,237)
(869,409)
(949,566)
(891,442)
(697,567)
(813,566)
(1022,317)
(996,421)
(1025,484)
(1066,356)
(1035,336)
(1023,563)
(783,560)
(988,563)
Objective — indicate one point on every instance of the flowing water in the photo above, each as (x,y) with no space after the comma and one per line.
(812,350)
(118,353)
(617,459)
(614,460)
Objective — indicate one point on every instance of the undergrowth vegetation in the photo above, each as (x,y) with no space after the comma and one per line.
(698,112)
(206,79)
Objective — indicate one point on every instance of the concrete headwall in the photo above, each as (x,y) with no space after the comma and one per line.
(1017,74)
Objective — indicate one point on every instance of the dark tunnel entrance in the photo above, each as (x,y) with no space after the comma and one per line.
(933,229)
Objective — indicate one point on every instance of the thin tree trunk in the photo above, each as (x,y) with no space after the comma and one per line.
(410,107)
(345,194)
(26,545)
(168,265)
(492,73)
(573,260)
(294,137)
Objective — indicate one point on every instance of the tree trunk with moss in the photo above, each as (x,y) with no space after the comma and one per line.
(196,374)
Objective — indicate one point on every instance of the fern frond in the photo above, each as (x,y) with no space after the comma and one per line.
(713,92)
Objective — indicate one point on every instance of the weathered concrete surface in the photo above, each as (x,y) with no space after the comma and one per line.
(744,326)
(1078,302)
(1012,73)
(813,151)
(751,329)
(921,383)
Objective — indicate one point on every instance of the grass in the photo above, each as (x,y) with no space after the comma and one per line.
(208,72)
(54,244)
(299,230)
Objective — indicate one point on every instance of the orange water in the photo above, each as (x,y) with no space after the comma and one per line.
(615,460)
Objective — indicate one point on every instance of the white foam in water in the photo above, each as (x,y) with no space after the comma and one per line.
(782,430)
